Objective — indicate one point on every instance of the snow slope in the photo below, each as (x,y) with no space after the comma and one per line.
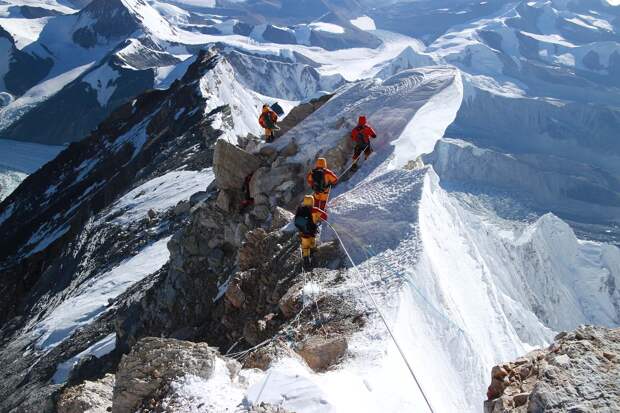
(462,288)
(159,194)
(18,159)
(86,302)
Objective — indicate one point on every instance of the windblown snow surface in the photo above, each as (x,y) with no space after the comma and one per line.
(462,288)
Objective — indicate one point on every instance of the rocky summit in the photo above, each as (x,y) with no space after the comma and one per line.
(578,372)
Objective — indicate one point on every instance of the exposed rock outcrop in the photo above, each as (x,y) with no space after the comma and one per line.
(321,353)
(579,372)
(88,397)
(152,364)
(231,165)
(301,112)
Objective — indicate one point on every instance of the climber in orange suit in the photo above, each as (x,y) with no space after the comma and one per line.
(321,180)
(307,219)
(268,119)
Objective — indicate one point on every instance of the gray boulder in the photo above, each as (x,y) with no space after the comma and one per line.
(579,372)
(231,165)
(154,363)
(88,397)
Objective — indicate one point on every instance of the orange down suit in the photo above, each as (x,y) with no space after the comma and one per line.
(320,197)
(308,241)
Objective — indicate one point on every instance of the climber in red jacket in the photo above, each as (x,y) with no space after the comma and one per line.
(361,136)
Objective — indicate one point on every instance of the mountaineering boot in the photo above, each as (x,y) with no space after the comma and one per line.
(354,167)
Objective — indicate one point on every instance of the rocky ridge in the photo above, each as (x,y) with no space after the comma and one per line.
(234,281)
(579,372)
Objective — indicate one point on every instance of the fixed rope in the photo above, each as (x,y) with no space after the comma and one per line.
(387,326)
(369,252)
(354,162)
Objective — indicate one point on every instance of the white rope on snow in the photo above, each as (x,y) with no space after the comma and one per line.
(387,326)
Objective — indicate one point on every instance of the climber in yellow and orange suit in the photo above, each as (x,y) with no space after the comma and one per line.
(321,180)
(307,219)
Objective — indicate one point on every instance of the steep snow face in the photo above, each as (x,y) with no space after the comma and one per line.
(222,88)
(292,81)
(159,194)
(102,81)
(473,289)
(389,106)
(89,300)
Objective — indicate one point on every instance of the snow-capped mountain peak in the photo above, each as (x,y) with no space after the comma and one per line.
(108,20)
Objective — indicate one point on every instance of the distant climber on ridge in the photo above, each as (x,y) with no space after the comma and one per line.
(321,180)
(307,219)
(268,119)
(361,136)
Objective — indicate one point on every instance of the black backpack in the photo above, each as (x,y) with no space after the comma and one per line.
(303,220)
(318,180)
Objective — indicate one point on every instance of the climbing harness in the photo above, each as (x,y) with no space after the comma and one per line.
(383,319)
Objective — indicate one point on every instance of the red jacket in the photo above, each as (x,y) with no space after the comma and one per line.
(264,122)
(362,133)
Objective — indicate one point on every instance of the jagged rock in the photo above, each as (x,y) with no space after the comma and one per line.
(290,149)
(266,180)
(321,353)
(182,208)
(573,374)
(155,362)
(267,408)
(234,294)
(225,201)
(251,253)
(292,302)
(301,112)
(261,212)
(88,397)
(280,217)
(231,165)
(266,355)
